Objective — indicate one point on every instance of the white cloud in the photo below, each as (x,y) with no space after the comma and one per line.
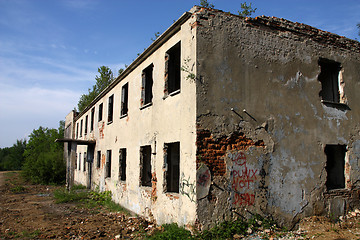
(25,109)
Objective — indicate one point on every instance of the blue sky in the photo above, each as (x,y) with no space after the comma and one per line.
(50,49)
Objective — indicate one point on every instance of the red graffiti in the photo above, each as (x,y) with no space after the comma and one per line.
(204,178)
(242,179)
(242,176)
(244,199)
(239,158)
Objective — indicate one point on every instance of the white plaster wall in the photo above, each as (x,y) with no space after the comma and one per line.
(167,120)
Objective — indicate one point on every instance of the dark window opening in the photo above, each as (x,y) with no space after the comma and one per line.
(335,166)
(92,119)
(124,99)
(147,84)
(98,159)
(145,166)
(110,108)
(76,160)
(86,124)
(77,130)
(108,164)
(329,78)
(79,161)
(172,69)
(81,125)
(172,166)
(100,112)
(122,164)
(84,167)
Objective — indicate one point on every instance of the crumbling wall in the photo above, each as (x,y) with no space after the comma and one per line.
(262,127)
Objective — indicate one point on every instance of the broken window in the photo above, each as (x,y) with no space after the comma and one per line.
(122,164)
(172,167)
(86,124)
(79,161)
(172,69)
(98,159)
(84,167)
(92,119)
(100,112)
(111,108)
(77,130)
(145,166)
(81,124)
(329,78)
(124,99)
(147,84)
(108,164)
(335,166)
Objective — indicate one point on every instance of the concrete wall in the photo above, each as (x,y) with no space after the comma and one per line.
(167,120)
(269,159)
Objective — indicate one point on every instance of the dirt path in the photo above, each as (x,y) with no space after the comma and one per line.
(2,178)
(29,212)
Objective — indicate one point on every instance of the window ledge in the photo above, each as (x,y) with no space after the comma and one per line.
(108,123)
(174,92)
(341,106)
(146,105)
(172,195)
(124,115)
(171,94)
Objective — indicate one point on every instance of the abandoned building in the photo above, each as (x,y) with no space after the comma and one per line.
(223,117)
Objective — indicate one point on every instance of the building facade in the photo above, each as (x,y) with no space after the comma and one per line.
(224,116)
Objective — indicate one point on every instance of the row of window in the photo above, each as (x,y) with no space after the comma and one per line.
(172,85)
(171,165)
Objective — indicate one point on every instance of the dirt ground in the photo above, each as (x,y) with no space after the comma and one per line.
(29,212)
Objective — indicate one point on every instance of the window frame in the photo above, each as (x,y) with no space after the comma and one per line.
(147,82)
(100,112)
(173,70)
(172,169)
(124,100)
(92,117)
(108,164)
(110,114)
(145,166)
(122,164)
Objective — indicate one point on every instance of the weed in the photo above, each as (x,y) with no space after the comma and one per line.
(64,196)
(30,235)
(172,232)
(78,187)
(18,189)
(88,199)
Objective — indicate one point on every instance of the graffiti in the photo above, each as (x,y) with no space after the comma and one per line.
(187,188)
(242,178)
(204,178)
(244,199)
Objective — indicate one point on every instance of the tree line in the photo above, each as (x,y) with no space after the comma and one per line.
(39,158)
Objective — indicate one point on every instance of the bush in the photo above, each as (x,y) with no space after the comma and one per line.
(44,161)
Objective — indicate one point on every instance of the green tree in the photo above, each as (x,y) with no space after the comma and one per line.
(43,157)
(121,70)
(205,3)
(102,81)
(12,158)
(247,10)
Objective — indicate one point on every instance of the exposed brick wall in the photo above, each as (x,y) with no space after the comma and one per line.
(212,151)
